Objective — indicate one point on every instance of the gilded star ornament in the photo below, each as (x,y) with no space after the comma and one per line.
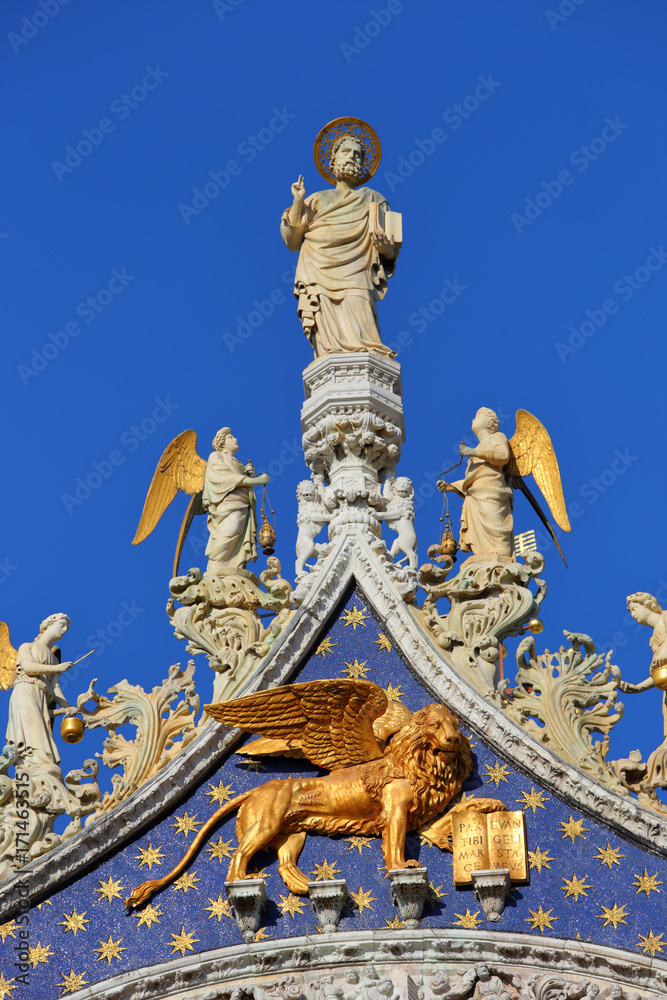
(149,915)
(609,855)
(354,617)
(149,856)
(110,949)
(435,893)
(7,930)
(325,871)
(613,915)
(110,889)
(532,800)
(223,793)
(539,859)
(363,900)
(356,669)
(254,765)
(74,922)
(188,880)
(358,842)
(259,873)
(573,828)
(219,908)
(40,953)
(185,824)
(575,887)
(183,942)
(468,920)
(649,943)
(382,642)
(393,693)
(497,773)
(261,934)
(647,883)
(72,982)
(6,988)
(326,646)
(292,904)
(395,924)
(219,849)
(538,919)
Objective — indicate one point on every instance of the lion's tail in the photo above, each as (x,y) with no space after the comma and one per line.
(147,889)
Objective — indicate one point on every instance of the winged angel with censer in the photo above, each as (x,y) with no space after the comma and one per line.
(391,771)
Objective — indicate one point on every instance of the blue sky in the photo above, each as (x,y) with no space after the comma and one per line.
(524,145)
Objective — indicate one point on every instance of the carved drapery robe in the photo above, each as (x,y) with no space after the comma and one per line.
(232,524)
(29,723)
(340,275)
(487,524)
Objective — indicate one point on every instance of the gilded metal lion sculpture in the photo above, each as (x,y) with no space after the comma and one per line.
(390,772)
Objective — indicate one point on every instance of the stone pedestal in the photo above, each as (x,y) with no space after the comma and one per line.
(247,899)
(328,898)
(409,888)
(492,887)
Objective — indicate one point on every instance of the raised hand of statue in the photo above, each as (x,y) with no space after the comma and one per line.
(262,479)
(298,194)
(299,189)
(385,245)
(466,450)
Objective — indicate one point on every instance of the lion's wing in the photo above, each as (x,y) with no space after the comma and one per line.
(330,720)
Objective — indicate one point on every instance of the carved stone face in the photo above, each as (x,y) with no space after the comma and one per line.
(640,613)
(231,444)
(482,421)
(348,163)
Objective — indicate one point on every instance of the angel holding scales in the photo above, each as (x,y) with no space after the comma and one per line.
(348,242)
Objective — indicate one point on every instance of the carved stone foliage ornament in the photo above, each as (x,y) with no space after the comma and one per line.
(374,788)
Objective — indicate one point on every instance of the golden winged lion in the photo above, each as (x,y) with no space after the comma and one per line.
(390,772)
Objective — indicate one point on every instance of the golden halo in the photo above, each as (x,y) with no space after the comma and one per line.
(347,126)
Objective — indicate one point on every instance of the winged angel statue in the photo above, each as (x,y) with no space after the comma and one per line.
(221,487)
(391,771)
(497,467)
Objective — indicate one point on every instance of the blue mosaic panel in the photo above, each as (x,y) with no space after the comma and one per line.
(586,882)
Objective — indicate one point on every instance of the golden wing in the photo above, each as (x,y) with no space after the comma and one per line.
(330,721)
(7,658)
(179,468)
(531,452)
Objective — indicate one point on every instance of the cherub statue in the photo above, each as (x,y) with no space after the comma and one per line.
(400,517)
(496,468)
(646,610)
(221,487)
(346,248)
(33,673)
(313,514)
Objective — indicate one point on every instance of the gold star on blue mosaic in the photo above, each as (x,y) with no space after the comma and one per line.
(573,828)
(326,646)
(109,949)
(221,848)
(538,919)
(149,856)
(647,883)
(186,881)
(358,843)
(183,942)
(468,920)
(254,765)
(261,935)
(354,617)
(575,887)
(74,922)
(363,900)
(219,908)
(356,669)
(613,915)
(7,930)
(435,893)
(259,873)
(40,953)
(540,859)
(532,800)
(72,982)
(6,988)
(382,642)
(394,924)
(110,889)
(325,871)
(649,943)
(149,915)
(185,824)
(497,773)
(393,693)
(223,793)
(609,855)
(292,904)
